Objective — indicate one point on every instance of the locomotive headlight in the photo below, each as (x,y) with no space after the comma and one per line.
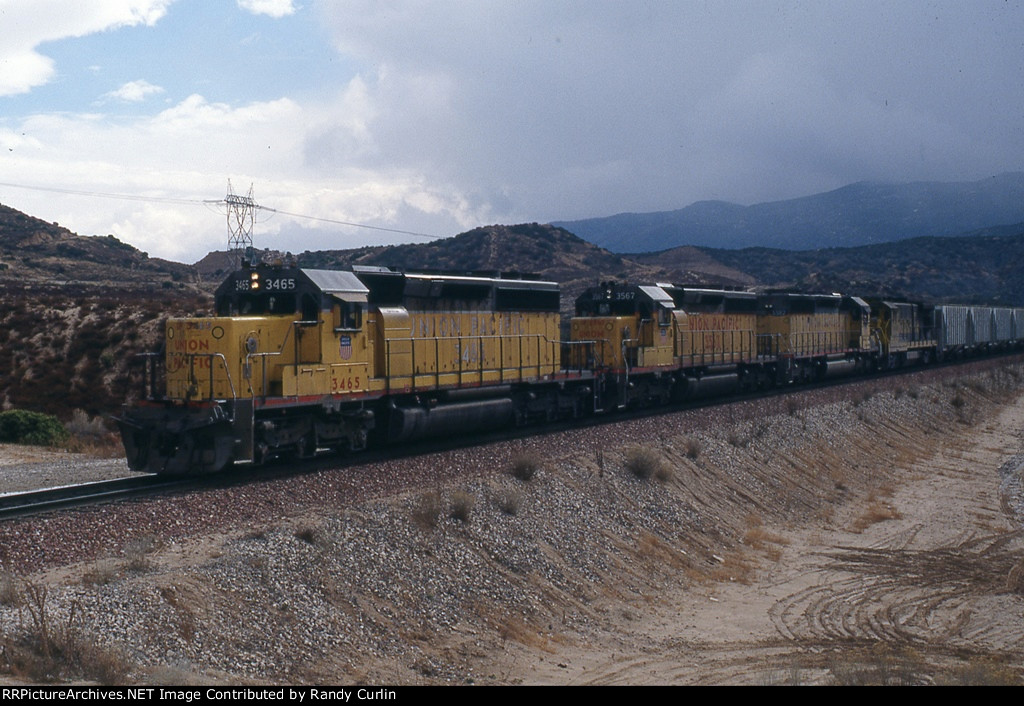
(255,283)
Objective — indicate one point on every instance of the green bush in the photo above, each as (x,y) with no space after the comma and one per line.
(21,427)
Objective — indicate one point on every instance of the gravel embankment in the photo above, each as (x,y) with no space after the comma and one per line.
(365,574)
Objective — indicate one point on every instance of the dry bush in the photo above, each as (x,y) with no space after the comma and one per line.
(878,510)
(863,397)
(462,505)
(692,447)
(514,629)
(760,539)
(659,552)
(643,462)
(10,593)
(138,549)
(43,649)
(89,435)
(525,467)
(736,566)
(427,510)
(309,534)
(100,574)
(982,671)
(738,439)
(509,500)
(1015,578)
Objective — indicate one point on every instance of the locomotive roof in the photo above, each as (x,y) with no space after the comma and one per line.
(622,298)
(336,281)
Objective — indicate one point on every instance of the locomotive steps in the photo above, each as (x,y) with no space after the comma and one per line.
(844,533)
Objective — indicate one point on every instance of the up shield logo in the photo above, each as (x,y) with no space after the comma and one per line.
(345,347)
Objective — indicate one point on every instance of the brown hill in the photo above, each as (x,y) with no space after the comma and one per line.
(74,311)
(34,250)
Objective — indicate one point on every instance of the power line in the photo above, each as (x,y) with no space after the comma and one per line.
(348,223)
(191,202)
(105,195)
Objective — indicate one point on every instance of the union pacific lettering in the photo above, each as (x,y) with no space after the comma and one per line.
(190,345)
(719,322)
(180,361)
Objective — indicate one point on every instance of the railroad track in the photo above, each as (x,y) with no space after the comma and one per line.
(31,502)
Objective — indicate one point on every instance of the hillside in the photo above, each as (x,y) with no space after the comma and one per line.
(34,250)
(859,214)
(74,311)
(985,267)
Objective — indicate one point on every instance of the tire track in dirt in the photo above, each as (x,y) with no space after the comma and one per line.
(943,577)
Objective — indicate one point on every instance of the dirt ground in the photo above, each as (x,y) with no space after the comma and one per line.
(938,583)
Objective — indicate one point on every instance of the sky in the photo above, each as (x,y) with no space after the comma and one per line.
(359,122)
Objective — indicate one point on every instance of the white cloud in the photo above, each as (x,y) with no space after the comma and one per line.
(135,91)
(188,151)
(29,23)
(273,8)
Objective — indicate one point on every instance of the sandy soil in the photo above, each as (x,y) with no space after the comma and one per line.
(940,579)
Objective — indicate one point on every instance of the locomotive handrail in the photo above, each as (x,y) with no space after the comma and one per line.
(567,355)
(280,351)
(192,375)
(263,357)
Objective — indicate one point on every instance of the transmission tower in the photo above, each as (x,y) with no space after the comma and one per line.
(241,213)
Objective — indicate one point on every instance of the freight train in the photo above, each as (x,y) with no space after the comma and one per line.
(299,359)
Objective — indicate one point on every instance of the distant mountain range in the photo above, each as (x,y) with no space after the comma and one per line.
(864,213)
(983,265)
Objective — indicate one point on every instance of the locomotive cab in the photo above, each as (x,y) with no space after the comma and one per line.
(282,337)
(629,326)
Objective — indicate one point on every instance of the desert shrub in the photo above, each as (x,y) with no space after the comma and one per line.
(427,510)
(10,594)
(46,649)
(23,427)
(982,671)
(525,467)
(644,462)
(509,501)
(138,549)
(308,534)
(462,505)
(692,447)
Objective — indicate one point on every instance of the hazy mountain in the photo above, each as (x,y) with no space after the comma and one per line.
(859,214)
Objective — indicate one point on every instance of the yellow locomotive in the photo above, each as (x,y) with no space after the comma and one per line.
(295,359)
(658,342)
